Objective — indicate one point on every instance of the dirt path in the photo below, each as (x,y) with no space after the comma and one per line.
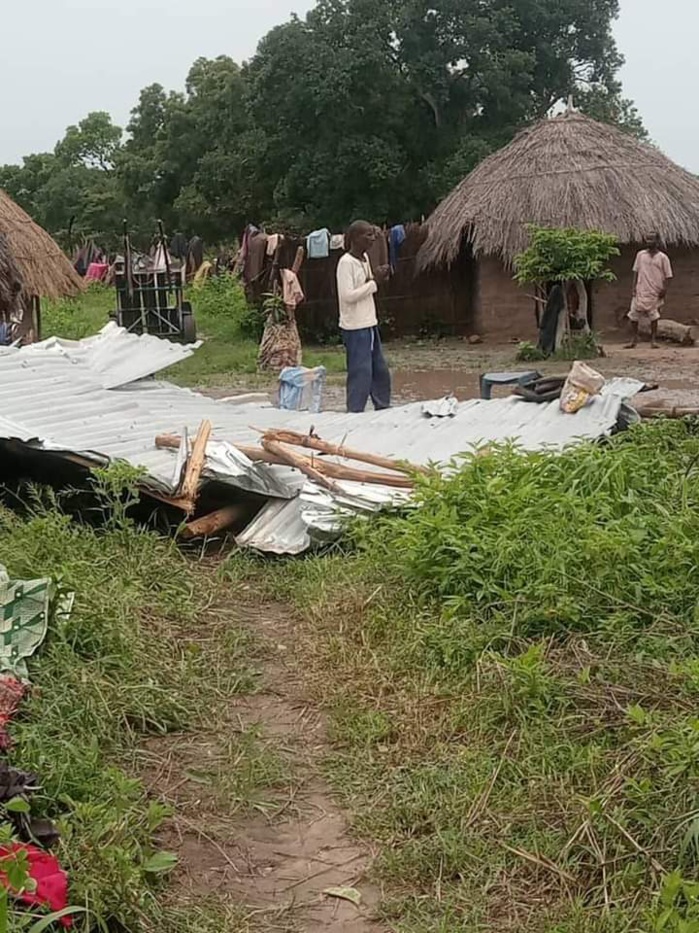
(280,856)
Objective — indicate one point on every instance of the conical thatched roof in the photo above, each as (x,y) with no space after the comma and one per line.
(10,278)
(567,171)
(44,267)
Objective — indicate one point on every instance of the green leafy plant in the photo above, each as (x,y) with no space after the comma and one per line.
(117,489)
(564,255)
(274,309)
(528,352)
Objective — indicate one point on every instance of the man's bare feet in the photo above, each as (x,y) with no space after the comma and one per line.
(630,346)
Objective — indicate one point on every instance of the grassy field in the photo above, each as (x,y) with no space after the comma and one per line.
(512,674)
(229,328)
(149,650)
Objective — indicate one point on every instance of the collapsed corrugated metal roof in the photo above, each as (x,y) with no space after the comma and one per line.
(115,354)
(57,396)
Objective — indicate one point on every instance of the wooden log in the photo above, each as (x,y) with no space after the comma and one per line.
(188,492)
(301,463)
(338,450)
(214,522)
(672,331)
(298,260)
(336,470)
(672,411)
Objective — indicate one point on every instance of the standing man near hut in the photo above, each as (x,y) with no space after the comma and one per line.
(367,371)
(652,274)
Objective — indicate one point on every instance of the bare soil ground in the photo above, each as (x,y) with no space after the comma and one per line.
(275,857)
(431,369)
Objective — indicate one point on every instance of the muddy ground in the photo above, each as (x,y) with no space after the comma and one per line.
(432,369)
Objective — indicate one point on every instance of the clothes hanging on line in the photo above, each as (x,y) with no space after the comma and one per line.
(396,238)
(255,259)
(337,241)
(378,251)
(273,241)
(292,293)
(318,244)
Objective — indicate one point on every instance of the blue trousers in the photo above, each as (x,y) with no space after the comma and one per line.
(367,371)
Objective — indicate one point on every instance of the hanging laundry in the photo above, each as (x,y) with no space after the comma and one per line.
(337,241)
(318,244)
(292,292)
(51,880)
(273,241)
(242,257)
(255,260)
(97,272)
(178,246)
(378,251)
(396,238)
(195,255)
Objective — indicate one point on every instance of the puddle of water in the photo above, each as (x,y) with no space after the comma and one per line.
(436,383)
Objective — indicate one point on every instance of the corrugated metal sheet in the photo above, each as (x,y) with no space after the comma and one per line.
(117,356)
(57,396)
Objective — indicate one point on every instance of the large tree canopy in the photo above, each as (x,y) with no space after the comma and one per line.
(360,109)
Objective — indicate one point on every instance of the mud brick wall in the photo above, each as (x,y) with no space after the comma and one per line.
(438,304)
(504,311)
(610,301)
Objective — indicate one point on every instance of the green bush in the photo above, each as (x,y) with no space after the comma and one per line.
(220,304)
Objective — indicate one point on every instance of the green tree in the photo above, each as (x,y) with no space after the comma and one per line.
(94,143)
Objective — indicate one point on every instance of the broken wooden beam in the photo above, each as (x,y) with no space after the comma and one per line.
(214,522)
(187,494)
(339,450)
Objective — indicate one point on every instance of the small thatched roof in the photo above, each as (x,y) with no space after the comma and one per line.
(567,171)
(44,267)
(10,278)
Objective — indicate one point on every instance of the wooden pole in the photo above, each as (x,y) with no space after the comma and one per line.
(214,522)
(291,458)
(335,470)
(188,492)
(338,450)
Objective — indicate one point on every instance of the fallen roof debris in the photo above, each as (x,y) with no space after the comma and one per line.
(88,400)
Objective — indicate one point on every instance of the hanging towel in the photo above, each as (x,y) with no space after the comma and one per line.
(291,290)
(378,251)
(337,241)
(396,238)
(318,244)
(273,241)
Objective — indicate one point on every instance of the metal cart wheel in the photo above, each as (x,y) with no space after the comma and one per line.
(189,325)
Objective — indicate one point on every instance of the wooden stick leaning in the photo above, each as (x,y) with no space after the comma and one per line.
(338,450)
(291,458)
(335,470)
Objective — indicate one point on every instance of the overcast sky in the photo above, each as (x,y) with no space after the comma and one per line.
(63,58)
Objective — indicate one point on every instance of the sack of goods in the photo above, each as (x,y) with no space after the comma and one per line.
(582,383)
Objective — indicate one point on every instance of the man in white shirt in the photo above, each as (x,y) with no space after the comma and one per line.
(652,273)
(367,371)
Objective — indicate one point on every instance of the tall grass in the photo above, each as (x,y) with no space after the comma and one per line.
(512,671)
(141,655)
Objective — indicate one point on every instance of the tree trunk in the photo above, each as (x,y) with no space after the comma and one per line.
(563,329)
(583,306)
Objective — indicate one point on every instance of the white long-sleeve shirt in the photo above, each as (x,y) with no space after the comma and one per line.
(356,288)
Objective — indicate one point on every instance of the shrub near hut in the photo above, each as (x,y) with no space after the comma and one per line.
(574,259)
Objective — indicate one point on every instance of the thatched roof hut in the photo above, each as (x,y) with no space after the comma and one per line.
(45,269)
(567,171)
(10,278)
